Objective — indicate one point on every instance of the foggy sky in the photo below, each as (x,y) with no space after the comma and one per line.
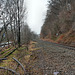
(36,14)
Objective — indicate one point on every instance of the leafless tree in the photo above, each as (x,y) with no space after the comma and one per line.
(13,16)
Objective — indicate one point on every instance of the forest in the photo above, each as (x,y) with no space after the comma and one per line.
(59,24)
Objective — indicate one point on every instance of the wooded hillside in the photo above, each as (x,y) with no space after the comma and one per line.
(59,24)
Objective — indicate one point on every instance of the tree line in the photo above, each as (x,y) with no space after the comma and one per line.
(60,18)
(12,21)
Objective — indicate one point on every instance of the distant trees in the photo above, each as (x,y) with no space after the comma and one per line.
(34,36)
(59,18)
(26,34)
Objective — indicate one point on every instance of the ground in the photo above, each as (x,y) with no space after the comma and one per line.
(43,58)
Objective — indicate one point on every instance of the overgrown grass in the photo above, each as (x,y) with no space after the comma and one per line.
(20,54)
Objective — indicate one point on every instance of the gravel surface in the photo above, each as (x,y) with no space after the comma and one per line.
(50,59)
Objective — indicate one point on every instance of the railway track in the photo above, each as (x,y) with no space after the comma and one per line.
(54,58)
(61,45)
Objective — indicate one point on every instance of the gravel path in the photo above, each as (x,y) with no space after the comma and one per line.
(50,58)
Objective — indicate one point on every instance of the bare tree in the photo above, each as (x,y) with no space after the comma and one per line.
(13,16)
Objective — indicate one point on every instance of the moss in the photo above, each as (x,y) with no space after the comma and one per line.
(5,54)
(22,48)
(5,50)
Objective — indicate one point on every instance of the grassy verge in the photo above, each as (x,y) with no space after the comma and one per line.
(22,55)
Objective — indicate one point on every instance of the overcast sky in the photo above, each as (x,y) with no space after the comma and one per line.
(36,14)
